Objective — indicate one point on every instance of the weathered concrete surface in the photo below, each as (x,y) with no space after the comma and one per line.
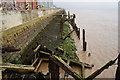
(21,35)
(14,18)
(48,37)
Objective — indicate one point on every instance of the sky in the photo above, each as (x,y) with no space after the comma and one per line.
(86,0)
(87,4)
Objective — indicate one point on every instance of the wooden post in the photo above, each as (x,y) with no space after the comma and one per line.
(84,43)
(68,15)
(118,69)
(75,28)
(73,20)
(79,33)
(83,71)
(65,67)
(54,70)
(74,16)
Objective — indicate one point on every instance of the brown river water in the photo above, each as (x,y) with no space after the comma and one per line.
(102,39)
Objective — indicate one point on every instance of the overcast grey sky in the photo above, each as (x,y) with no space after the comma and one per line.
(91,4)
(85,0)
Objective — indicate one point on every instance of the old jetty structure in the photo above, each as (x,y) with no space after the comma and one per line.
(38,44)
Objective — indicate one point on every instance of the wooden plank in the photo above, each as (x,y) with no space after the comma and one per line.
(65,67)
(38,66)
(34,62)
(37,48)
(83,71)
(68,35)
(72,61)
(9,49)
(79,63)
(66,74)
(17,67)
(118,69)
(96,73)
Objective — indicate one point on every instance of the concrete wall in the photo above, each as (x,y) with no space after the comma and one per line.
(19,36)
(10,19)
(14,18)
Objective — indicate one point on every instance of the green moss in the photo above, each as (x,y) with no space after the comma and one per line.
(11,60)
(68,45)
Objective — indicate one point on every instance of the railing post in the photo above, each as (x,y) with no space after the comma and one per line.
(84,42)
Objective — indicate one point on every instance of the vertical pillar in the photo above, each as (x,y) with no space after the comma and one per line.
(68,15)
(79,33)
(54,70)
(74,16)
(84,42)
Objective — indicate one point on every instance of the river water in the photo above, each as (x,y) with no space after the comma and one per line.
(102,38)
(101,25)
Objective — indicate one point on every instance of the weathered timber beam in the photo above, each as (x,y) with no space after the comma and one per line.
(68,35)
(37,48)
(79,63)
(54,70)
(60,50)
(65,74)
(72,61)
(83,71)
(38,66)
(35,62)
(17,67)
(9,49)
(65,67)
(117,76)
(96,73)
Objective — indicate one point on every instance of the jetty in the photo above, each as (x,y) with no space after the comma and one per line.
(44,48)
